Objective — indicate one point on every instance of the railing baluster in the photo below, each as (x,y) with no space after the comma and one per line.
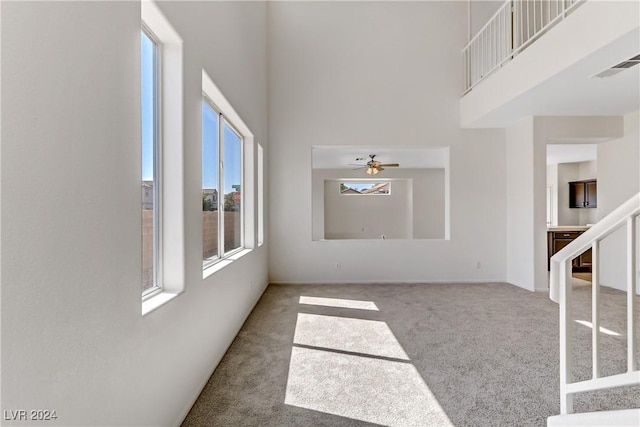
(631,291)
(566,333)
(492,36)
(521,23)
(595,306)
(534,16)
(515,25)
(627,214)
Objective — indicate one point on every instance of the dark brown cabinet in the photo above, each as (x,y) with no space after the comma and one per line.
(583,194)
(558,240)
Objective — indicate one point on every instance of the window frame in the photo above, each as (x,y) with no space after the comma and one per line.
(260,210)
(157,285)
(242,190)
(222,120)
(209,102)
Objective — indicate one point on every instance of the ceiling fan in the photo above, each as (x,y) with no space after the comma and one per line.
(373,166)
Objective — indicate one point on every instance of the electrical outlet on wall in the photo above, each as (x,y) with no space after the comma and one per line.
(478,265)
(338,266)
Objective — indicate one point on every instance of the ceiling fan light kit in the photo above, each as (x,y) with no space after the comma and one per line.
(373,166)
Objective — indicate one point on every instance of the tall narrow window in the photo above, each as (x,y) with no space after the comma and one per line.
(232,167)
(210,180)
(222,191)
(150,165)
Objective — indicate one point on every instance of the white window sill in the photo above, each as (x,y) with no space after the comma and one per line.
(222,263)
(156,301)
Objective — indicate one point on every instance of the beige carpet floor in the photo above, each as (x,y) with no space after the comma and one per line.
(407,355)
(582,276)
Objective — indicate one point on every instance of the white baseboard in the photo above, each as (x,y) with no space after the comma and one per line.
(386,282)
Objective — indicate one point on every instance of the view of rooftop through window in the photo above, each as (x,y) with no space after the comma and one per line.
(365,188)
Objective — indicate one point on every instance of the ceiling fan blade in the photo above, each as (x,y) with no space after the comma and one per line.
(391,165)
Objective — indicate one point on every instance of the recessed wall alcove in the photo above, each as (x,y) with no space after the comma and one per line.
(415,207)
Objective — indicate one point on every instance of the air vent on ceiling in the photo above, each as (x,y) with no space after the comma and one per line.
(618,68)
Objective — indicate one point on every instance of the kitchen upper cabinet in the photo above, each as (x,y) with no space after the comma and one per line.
(583,194)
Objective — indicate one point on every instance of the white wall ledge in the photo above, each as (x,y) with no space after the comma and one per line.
(222,263)
(157,301)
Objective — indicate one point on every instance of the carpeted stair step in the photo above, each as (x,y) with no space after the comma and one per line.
(622,418)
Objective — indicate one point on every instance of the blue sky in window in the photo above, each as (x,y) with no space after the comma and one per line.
(210,121)
(209,147)
(360,185)
(232,159)
(232,152)
(147,75)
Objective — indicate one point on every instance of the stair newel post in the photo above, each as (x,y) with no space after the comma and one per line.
(566,333)
(631,291)
(595,306)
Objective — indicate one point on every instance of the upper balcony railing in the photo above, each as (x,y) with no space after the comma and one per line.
(516,25)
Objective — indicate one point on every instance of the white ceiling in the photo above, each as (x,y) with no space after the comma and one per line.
(571,153)
(575,92)
(343,157)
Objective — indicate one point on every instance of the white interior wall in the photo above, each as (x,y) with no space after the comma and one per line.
(73,338)
(368,216)
(345,87)
(552,181)
(567,172)
(520,208)
(618,180)
(429,203)
(481,11)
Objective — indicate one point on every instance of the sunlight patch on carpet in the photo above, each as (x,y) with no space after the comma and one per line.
(369,337)
(339,303)
(603,330)
(363,388)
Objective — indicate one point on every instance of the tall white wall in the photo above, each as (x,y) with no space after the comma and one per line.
(520,204)
(480,13)
(363,74)
(73,338)
(618,180)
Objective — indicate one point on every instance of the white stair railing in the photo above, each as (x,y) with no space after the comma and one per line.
(516,25)
(626,215)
